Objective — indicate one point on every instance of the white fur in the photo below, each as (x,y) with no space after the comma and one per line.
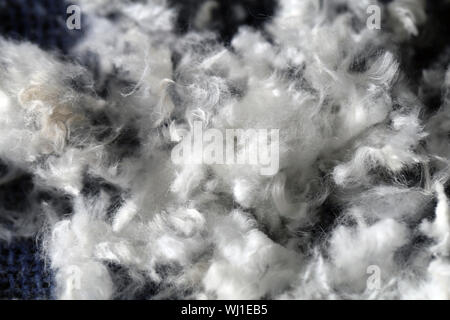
(224,231)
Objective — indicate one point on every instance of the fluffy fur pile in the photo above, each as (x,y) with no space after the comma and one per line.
(363,168)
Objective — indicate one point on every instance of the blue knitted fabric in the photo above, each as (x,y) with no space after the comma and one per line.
(40,21)
(22,274)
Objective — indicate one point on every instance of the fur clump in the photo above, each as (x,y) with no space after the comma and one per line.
(360,165)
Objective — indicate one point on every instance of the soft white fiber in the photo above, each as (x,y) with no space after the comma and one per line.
(363,170)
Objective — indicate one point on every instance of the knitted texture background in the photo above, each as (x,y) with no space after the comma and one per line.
(22,272)
(42,22)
